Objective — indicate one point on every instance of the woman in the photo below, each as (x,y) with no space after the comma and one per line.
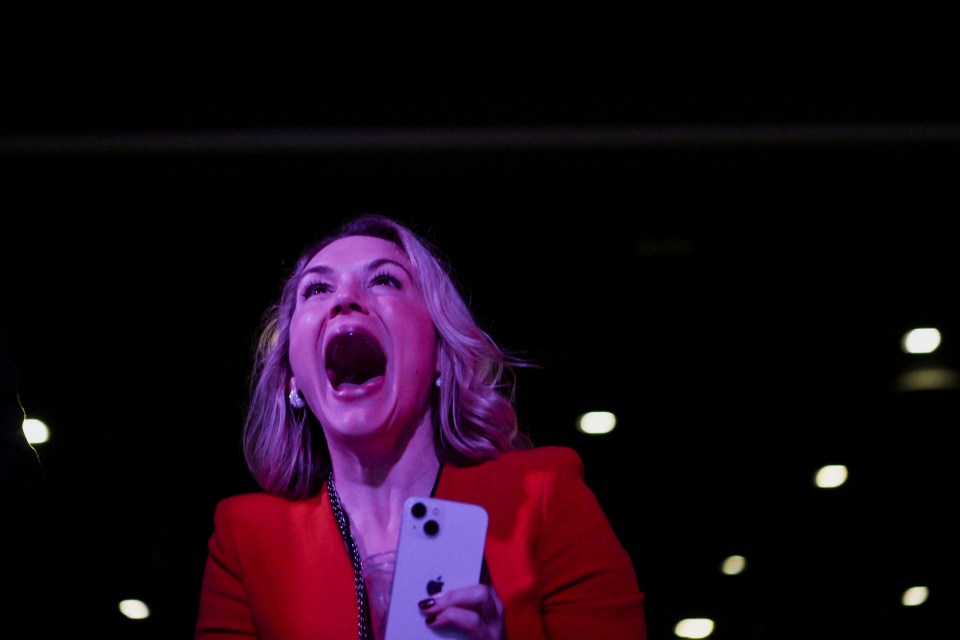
(373,383)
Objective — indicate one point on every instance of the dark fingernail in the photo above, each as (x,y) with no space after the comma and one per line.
(431,619)
(426,604)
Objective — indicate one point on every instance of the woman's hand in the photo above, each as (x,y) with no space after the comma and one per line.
(476,610)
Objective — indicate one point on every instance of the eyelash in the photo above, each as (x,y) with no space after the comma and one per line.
(311,289)
(318,286)
(391,279)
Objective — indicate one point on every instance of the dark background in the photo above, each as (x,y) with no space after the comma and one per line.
(718,226)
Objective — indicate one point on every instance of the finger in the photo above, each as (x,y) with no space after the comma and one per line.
(476,597)
(476,611)
(457,618)
(469,623)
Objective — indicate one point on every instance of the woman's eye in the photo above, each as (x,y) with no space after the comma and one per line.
(387,279)
(314,288)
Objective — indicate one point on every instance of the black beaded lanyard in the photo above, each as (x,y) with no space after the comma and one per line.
(363,617)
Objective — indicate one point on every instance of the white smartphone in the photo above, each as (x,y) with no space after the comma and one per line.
(440,548)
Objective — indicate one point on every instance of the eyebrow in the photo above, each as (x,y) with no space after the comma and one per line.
(373,265)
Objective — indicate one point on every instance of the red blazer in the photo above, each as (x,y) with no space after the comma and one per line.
(278,568)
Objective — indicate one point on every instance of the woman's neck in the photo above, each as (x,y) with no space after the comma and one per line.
(372,488)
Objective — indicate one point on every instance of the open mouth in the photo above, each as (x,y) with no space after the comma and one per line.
(353,358)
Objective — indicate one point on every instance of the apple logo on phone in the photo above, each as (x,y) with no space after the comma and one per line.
(435,586)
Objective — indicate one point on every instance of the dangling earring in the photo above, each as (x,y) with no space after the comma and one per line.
(437,382)
(296,400)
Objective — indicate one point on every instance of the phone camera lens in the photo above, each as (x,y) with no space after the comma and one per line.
(419,510)
(430,527)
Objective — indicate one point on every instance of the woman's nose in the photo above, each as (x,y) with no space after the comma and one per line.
(347,300)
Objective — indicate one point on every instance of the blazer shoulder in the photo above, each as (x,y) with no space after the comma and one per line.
(250,507)
(550,458)
(521,464)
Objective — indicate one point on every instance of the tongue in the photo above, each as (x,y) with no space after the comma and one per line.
(354,358)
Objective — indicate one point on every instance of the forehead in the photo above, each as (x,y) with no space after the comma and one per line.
(357,251)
